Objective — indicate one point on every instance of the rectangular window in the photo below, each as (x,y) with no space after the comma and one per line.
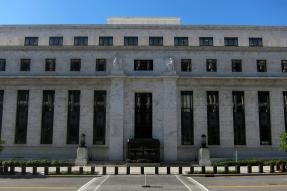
(264,118)
(284,65)
(180,41)
(143,65)
(56,41)
(285,108)
(101,65)
(238,118)
(75,65)
(25,64)
(47,117)
(106,41)
(131,41)
(31,41)
(156,41)
(22,117)
(81,41)
(186,65)
(253,42)
(187,118)
(99,132)
(50,64)
(73,117)
(1,109)
(236,65)
(213,118)
(211,65)
(205,41)
(230,41)
(261,66)
(2,64)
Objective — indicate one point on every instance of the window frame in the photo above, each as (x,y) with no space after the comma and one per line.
(106,40)
(47,64)
(81,40)
(210,61)
(3,64)
(234,62)
(131,41)
(31,41)
(255,42)
(202,41)
(25,67)
(103,62)
(181,41)
(58,39)
(74,61)
(147,65)
(157,39)
(227,41)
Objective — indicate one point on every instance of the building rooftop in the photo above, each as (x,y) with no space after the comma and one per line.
(144,20)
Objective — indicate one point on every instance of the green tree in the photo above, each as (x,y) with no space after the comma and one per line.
(283,141)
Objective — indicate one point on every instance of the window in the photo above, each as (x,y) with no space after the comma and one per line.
(81,41)
(238,118)
(236,65)
(284,65)
(101,65)
(156,41)
(131,41)
(213,118)
(2,64)
(1,109)
(205,41)
(230,41)
(186,65)
(47,117)
(31,41)
(56,41)
(211,65)
(99,131)
(255,42)
(285,108)
(261,66)
(186,118)
(180,41)
(106,41)
(75,65)
(73,117)
(264,118)
(50,64)
(22,117)
(143,65)
(25,64)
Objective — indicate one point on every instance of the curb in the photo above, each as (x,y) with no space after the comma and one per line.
(245,174)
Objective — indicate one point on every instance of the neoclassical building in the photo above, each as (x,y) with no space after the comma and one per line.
(142,78)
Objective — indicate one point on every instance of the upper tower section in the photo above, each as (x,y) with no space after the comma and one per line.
(143,20)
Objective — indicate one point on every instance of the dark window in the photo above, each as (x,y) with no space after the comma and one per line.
(56,41)
(81,41)
(236,65)
(50,64)
(255,42)
(180,41)
(131,41)
(213,118)
(106,41)
(75,65)
(25,64)
(73,117)
(101,65)
(186,118)
(1,109)
(47,117)
(186,65)
(99,132)
(284,65)
(285,108)
(238,118)
(31,41)
(211,65)
(264,118)
(156,41)
(143,65)
(230,41)
(205,41)
(261,66)
(2,64)
(22,117)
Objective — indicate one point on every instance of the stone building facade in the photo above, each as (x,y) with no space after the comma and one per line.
(156,79)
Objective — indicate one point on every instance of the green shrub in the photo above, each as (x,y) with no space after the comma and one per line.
(37,163)
(250,162)
(283,141)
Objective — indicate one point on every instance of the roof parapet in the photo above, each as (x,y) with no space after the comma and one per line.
(143,20)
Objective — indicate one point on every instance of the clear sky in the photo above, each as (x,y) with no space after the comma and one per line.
(237,12)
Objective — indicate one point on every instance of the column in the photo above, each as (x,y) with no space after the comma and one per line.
(9,116)
(226,118)
(116,119)
(34,117)
(169,119)
(60,117)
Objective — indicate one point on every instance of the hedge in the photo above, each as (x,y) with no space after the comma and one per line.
(251,162)
(37,163)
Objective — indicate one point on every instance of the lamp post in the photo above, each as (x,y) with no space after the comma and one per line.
(203,141)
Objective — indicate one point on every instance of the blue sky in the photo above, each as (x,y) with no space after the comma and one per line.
(237,12)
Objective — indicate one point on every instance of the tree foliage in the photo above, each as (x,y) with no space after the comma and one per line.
(283,141)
